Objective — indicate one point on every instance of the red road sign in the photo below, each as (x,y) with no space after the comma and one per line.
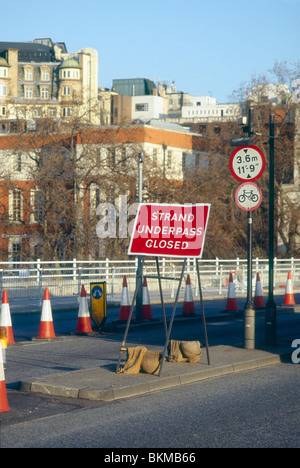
(162,230)
(247,163)
(248,196)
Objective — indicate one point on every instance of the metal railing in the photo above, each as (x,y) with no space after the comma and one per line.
(28,279)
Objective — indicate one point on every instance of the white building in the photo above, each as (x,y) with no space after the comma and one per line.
(148,107)
(206,109)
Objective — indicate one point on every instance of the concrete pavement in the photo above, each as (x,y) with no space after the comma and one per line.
(103,383)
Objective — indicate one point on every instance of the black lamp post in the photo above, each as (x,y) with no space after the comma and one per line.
(270,311)
(249,309)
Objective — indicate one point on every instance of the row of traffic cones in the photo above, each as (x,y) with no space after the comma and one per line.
(46,331)
(46,328)
(231,303)
(188,305)
(125,302)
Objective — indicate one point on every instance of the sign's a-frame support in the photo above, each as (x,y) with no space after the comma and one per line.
(167,330)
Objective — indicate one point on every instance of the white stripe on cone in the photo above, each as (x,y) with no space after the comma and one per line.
(188,304)
(231,303)
(258,298)
(83,322)
(125,304)
(147,311)
(46,330)
(3,395)
(289,295)
(5,318)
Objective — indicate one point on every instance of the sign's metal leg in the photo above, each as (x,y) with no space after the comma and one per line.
(161,297)
(172,317)
(129,320)
(203,314)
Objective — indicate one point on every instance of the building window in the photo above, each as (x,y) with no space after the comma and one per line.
(44,92)
(37,200)
(67,90)
(169,160)
(154,156)
(66,112)
(3,90)
(15,205)
(28,74)
(70,73)
(2,111)
(28,92)
(183,162)
(3,72)
(141,107)
(52,112)
(18,162)
(45,74)
(16,252)
(37,112)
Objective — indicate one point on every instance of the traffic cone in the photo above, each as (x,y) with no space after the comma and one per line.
(5,319)
(289,295)
(231,303)
(147,311)
(125,304)
(3,396)
(258,298)
(46,330)
(83,322)
(188,304)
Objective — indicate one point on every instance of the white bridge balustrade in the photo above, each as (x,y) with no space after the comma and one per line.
(29,279)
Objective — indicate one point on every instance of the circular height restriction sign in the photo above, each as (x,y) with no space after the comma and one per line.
(247,163)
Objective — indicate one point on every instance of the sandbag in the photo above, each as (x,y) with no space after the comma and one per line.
(174,352)
(151,362)
(191,350)
(134,360)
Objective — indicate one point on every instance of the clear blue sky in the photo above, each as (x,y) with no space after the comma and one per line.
(208,47)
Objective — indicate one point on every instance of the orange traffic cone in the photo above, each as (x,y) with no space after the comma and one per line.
(289,295)
(83,322)
(3,396)
(147,311)
(258,298)
(231,303)
(188,304)
(5,319)
(125,304)
(46,330)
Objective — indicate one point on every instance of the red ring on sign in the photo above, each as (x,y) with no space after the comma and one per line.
(236,176)
(237,195)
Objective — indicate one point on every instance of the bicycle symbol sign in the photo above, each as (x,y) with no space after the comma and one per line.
(247,163)
(248,196)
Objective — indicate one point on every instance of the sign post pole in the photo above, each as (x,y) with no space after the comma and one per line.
(246,164)
(249,310)
(270,312)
